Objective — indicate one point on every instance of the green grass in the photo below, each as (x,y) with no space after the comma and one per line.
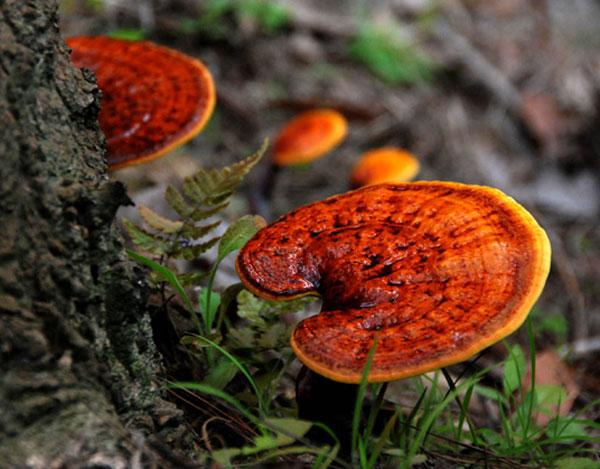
(433,427)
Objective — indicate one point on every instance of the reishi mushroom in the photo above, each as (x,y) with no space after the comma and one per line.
(307,137)
(438,270)
(384,165)
(154,98)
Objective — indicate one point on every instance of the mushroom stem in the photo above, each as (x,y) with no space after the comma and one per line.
(330,402)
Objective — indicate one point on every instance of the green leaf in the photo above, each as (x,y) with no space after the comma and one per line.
(514,369)
(191,278)
(388,57)
(200,214)
(271,16)
(276,336)
(177,202)
(241,338)
(567,430)
(208,313)
(249,308)
(165,274)
(214,186)
(291,428)
(193,251)
(241,368)
(556,324)
(145,240)
(549,396)
(193,231)
(290,306)
(220,374)
(239,233)
(490,393)
(157,222)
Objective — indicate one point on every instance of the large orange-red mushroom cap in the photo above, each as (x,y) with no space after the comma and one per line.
(437,270)
(309,136)
(154,98)
(384,165)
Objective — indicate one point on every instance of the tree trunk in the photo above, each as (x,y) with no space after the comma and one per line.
(78,364)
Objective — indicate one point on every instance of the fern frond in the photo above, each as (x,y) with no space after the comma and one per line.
(200,214)
(154,220)
(204,194)
(213,186)
(192,231)
(191,278)
(177,202)
(190,252)
(145,240)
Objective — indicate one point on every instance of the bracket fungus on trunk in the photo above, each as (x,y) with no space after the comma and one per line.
(154,98)
(384,165)
(438,270)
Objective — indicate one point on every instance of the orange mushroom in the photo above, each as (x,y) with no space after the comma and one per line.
(154,98)
(309,136)
(304,139)
(384,165)
(438,270)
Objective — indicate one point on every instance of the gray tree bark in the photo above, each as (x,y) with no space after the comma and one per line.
(78,366)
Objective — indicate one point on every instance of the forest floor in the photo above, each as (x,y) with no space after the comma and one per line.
(504,93)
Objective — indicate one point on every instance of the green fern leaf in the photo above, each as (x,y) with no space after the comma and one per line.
(215,186)
(177,202)
(191,278)
(145,240)
(200,214)
(276,336)
(190,231)
(239,233)
(241,337)
(250,307)
(193,251)
(198,186)
(158,222)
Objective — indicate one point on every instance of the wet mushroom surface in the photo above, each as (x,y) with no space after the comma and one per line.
(153,98)
(437,270)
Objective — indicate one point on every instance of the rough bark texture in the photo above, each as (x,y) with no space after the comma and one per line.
(77,360)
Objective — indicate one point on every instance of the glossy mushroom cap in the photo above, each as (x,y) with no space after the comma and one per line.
(438,270)
(384,165)
(309,136)
(154,98)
